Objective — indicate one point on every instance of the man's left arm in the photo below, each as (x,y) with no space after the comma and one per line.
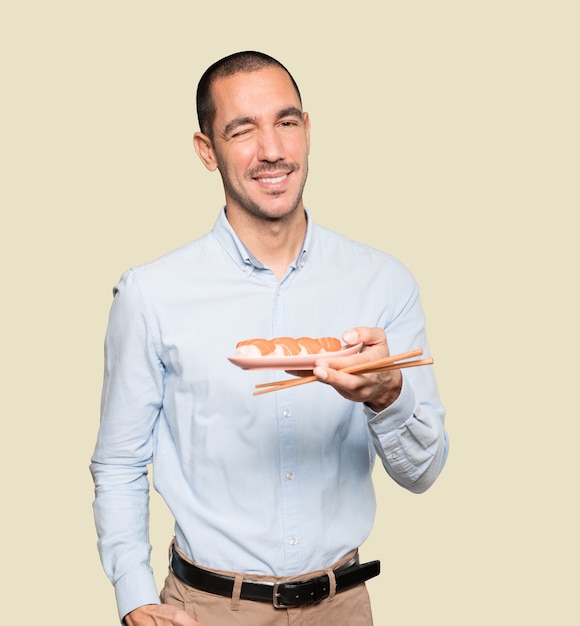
(407,426)
(405,415)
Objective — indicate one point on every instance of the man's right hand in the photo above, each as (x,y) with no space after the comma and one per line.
(159,615)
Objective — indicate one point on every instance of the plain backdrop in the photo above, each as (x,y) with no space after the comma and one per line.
(446,133)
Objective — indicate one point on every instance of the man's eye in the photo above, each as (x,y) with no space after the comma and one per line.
(241,133)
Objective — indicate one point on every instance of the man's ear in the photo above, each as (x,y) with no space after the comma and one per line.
(204,148)
(307,127)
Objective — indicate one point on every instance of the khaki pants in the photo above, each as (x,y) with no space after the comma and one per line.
(347,608)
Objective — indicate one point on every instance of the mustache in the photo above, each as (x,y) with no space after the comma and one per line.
(277,167)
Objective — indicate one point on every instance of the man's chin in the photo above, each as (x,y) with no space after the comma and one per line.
(273,213)
(281,213)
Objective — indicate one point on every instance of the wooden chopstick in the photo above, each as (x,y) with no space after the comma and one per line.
(397,366)
(380,365)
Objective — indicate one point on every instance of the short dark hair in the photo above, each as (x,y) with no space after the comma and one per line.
(246,61)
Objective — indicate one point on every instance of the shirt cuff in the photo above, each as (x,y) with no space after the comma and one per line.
(394,415)
(135,590)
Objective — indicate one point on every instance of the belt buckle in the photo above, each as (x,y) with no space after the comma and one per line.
(316,594)
(276,597)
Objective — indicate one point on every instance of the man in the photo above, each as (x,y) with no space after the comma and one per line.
(271,489)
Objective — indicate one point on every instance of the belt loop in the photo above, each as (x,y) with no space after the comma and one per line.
(331,584)
(236,591)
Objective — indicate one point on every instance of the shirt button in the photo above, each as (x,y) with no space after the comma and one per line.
(287,413)
(394,456)
(293,541)
(289,475)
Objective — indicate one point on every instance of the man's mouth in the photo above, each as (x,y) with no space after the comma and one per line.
(277,176)
(272,180)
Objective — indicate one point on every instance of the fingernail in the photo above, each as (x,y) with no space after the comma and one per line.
(350,337)
(320,372)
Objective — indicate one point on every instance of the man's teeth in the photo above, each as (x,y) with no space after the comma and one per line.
(273,181)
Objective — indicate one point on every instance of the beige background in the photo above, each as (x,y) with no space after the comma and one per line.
(444,132)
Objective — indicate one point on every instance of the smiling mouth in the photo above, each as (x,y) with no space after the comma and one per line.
(272,180)
(273,174)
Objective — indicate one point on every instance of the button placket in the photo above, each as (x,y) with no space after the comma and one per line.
(289,484)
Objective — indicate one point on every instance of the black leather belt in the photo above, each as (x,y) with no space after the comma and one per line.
(282,594)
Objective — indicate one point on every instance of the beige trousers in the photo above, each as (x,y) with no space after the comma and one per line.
(347,608)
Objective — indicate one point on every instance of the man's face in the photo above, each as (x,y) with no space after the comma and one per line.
(261,141)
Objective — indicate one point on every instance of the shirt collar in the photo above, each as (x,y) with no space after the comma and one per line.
(243,257)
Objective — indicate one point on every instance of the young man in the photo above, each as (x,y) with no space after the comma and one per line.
(273,489)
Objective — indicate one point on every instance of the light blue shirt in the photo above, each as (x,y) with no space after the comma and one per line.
(275,484)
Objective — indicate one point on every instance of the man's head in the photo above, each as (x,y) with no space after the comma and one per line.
(248,61)
(256,135)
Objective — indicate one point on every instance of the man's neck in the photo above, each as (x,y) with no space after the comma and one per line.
(276,243)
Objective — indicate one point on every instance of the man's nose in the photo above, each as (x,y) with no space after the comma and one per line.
(270,146)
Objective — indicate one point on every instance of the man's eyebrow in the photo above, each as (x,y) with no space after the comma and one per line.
(291,112)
